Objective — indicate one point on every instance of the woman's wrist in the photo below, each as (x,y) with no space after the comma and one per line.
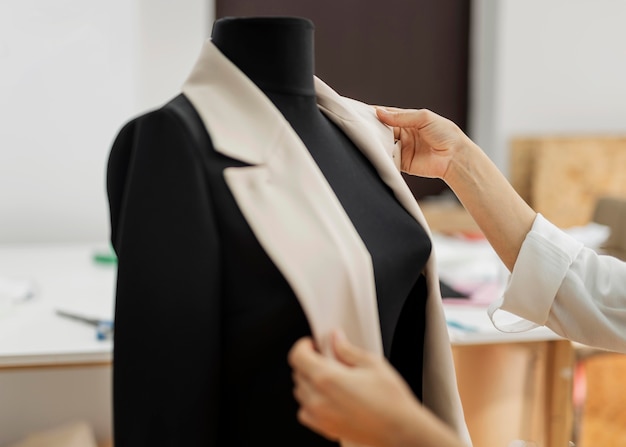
(464,166)
(493,203)
(421,428)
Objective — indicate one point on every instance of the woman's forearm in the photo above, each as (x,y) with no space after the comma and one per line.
(502,215)
(433,146)
(424,429)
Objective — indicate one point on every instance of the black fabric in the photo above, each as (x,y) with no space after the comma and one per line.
(398,244)
(407,351)
(167,316)
(204,319)
(276,53)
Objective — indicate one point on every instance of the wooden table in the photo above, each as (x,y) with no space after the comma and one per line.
(54,370)
(513,386)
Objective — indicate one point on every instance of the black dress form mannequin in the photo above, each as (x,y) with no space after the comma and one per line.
(260,316)
(277,54)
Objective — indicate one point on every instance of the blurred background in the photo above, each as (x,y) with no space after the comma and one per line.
(72,72)
(538,84)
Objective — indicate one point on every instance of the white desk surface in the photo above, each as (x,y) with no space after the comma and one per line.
(472,266)
(480,330)
(65,277)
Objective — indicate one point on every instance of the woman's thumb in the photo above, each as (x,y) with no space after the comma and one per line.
(402,118)
(385,115)
(348,353)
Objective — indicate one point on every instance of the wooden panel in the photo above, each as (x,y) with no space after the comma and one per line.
(521,165)
(559,405)
(604,413)
(562,177)
(517,391)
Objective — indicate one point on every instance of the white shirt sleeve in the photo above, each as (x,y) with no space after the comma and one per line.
(559,283)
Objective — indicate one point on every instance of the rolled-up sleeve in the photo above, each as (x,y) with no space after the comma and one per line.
(559,283)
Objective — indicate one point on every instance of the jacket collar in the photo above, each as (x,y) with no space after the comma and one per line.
(293,211)
(286,200)
(242,121)
(223,95)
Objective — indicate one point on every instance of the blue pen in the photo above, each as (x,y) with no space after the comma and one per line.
(104,328)
(461,326)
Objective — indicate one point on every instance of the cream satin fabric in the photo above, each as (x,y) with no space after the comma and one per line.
(299,221)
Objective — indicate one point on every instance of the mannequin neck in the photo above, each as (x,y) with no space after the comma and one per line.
(276,53)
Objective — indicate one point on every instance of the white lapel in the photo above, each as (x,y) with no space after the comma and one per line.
(288,203)
(359,122)
(299,221)
(376,141)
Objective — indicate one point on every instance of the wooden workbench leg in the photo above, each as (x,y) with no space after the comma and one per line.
(560,409)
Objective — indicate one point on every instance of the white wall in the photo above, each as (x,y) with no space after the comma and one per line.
(169,35)
(547,67)
(72,72)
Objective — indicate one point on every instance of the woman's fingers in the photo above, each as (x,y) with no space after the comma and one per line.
(347,353)
(404,118)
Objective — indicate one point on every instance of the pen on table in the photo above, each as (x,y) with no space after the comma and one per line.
(461,326)
(102,257)
(104,328)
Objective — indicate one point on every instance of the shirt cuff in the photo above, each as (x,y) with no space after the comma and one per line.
(544,258)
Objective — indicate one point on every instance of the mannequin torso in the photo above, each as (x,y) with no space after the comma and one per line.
(163,197)
(277,54)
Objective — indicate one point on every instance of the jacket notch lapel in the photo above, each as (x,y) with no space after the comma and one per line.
(288,203)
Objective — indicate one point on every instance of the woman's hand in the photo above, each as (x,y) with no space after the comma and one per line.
(433,146)
(429,141)
(359,397)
